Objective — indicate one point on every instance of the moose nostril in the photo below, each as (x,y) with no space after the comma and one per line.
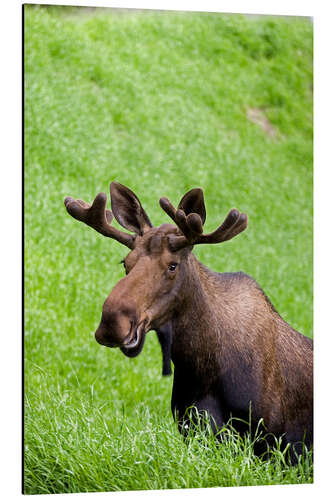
(103,337)
(116,326)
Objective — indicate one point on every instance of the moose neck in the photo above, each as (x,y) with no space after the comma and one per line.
(195,325)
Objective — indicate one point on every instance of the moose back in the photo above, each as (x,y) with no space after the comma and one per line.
(232,352)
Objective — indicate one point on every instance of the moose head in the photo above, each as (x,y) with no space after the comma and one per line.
(156,266)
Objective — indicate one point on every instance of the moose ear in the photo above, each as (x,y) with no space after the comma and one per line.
(128,210)
(193,202)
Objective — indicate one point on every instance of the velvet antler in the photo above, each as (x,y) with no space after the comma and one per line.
(190,217)
(97,217)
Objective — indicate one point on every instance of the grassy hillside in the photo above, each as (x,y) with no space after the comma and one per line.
(161,102)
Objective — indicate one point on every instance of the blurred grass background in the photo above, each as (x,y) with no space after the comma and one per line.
(161,102)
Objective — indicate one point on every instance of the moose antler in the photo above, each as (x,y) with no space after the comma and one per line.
(98,218)
(191,223)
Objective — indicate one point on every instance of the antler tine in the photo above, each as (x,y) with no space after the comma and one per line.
(168,208)
(97,217)
(233,224)
(191,226)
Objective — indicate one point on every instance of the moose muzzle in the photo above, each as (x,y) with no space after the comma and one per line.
(120,326)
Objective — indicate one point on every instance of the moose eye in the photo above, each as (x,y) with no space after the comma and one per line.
(172,266)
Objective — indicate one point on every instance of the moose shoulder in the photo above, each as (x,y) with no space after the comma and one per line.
(232,352)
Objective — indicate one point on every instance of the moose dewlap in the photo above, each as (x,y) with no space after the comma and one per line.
(233,354)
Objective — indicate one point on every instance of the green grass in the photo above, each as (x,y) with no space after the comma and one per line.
(159,102)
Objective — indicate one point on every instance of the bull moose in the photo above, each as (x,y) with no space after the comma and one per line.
(233,354)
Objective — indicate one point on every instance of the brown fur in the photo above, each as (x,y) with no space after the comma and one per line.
(232,352)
